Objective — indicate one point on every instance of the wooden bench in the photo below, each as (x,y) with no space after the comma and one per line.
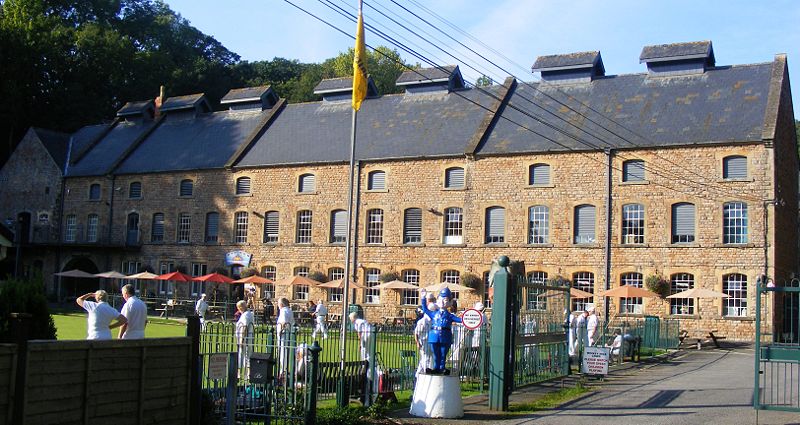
(355,374)
(701,336)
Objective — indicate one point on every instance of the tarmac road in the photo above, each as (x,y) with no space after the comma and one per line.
(699,387)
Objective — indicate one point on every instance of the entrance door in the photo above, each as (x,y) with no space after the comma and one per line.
(24,227)
(133,229)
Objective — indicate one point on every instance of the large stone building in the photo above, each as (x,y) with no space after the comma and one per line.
(687,171)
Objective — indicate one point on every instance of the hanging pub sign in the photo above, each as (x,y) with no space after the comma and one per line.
(237,258)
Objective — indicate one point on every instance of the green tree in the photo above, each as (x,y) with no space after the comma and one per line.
(25,296)
(484,81)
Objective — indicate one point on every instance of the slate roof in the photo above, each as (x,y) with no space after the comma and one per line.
(426,75)
(191,143)
(392,126)
(677,51)
(722,105)
(102,156)
(246,93)
(566,61)
(184,102)
(57,144)
(135,108)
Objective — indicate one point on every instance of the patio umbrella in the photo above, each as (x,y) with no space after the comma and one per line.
(627,291)
(452,286)
(339,284)
(76,273)
(577,293)
(175,277)
(297,280)
(254,279)
(213,277)
(397,284)
(142,275)
(699,293)
(111,275)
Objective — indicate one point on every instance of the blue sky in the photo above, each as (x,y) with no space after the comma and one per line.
(517,30)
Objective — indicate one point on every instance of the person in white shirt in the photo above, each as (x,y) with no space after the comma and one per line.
(102,317)
(244,337)
(362,327)
(283,328)
(320,314)
(135,311)
(421,330)
(591,327)
(201,307)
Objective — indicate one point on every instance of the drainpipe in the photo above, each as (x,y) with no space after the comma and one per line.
(356,211)
(609,176)
(111,219)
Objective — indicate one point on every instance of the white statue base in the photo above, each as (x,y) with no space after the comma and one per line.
(437,396)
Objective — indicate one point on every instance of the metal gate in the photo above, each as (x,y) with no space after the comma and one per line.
(777,362)
(528,338)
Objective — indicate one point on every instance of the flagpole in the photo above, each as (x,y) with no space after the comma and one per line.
(359,93)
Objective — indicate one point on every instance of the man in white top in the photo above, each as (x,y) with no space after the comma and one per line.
(320,314)
(135,312)
(244,336)
(591,326)
(102,317)
(283,328)
(201,307)
(363,328)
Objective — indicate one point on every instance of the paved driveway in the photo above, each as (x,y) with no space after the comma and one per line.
(700,387)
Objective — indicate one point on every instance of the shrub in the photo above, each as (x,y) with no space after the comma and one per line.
(26,296)
(471,281)
(342,416)
(389,276)
(318,276)
(249,271)
(659,285)
(558,280)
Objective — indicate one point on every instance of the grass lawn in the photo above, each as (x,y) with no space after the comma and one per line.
(73,326)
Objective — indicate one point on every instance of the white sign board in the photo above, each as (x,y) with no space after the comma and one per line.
(218,366)
(595,360)
(472,319)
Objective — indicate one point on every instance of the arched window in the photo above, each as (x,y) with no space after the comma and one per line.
(243,186)
(376,180)
(633,171)
(372,295)
(307,183)
(585,282)
(734,223)
(536,299)
(633,224)
(539,174)
(94,192)
(680,282)
(304,222)
(240,223)
(734,167)
(454,178)
(735,287)
(135,190)
(631,305)
(375,226)
(335,294)
(453,226)
(410,296)
(186,188)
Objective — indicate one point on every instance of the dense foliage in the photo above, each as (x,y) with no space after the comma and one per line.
(25,296)
(68,63)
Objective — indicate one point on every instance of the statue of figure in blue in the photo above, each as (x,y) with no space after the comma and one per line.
(441,334)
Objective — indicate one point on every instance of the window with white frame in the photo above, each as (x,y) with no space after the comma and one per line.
(734,223)
(536,299)
(680,282)
(135,190)
(271,226)
(454,178)
(243,186)
(539,175)
(186,188)
(304,221)
(375,226)
(91,227)
(410,296)
(538,225)
(453,226)
(338,226)
(734,167)
(735,287)
(184,228)
(486,301)
(212,227)
(495,225)
(585,282)
(199,269)
(268,289)
(633,224)
(307,183)
(94,192)
(372,295)
(632,305)
(336,294)
(157,228)
(682,222)
(584,224)
(376,180)
(129,268)
(301,292)
(633,171)
(301,271)
(412,225)
(70,228)
(166,287)
(452,276)
(240,220)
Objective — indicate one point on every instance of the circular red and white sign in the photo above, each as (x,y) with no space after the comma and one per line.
(472,319)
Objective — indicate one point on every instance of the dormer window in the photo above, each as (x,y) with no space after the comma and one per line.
(581,67)
(678,58)
(426,80)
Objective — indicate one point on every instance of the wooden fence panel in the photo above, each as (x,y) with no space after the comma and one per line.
(8,362)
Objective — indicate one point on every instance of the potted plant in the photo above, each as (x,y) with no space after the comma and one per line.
(656,283)
(471,281)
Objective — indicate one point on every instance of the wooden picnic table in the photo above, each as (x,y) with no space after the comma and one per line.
(394,320)
(701,335)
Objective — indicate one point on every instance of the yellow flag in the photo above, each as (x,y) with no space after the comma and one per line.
(359,65)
